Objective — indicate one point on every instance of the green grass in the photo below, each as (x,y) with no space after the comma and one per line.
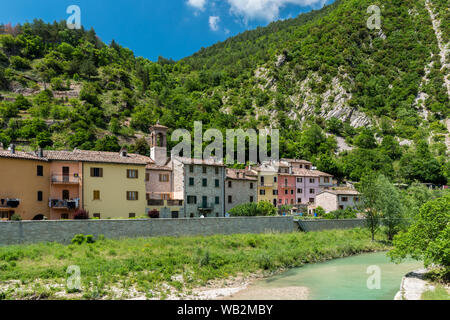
(440,293)
(181,263)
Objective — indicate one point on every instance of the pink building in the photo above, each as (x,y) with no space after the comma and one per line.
(307,185)
(286,189)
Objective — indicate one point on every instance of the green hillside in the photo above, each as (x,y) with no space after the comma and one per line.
(348,98)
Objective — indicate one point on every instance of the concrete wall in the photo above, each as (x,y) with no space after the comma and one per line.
(64,231)
(319,225)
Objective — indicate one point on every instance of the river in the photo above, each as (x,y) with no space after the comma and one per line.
(340,279)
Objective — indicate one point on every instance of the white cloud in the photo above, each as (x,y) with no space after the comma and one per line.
(197,4)
(265,9)
(214,23)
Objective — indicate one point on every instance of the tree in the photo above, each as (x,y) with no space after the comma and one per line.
(389,204)
(368,188)
(108,143)
(428,239)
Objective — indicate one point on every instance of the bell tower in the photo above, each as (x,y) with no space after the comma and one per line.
(158,144)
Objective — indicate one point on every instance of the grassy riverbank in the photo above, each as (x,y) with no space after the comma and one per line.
(161,267)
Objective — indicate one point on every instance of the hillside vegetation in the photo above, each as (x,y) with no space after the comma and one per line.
(347,98)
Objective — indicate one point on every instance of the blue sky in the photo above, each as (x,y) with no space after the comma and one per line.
(172,28)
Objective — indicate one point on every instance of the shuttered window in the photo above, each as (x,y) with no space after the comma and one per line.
(132,195)
(97,172)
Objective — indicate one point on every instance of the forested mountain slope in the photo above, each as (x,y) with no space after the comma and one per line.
(346,97)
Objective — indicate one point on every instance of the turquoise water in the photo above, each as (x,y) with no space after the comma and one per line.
(345,279)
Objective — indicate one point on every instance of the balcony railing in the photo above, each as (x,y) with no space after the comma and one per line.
(65,179)
(288,185)
(265,184)
(64,204)
(164,203)
(9,203)
(206,207)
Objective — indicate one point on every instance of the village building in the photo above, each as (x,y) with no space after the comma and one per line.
(240,188)
(339,199)
(24,185)
(200,183)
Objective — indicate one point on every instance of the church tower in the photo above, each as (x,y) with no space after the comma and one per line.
(158,144)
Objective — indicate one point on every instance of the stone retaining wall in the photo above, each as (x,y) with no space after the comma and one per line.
(64,231)
(319,225)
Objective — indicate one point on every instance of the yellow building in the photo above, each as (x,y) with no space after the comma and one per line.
(267,183)
(114,184)
(24,185)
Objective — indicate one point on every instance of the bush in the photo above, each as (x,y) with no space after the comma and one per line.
(263,208)
(81,215)
(81,238)
(20,63)
(16,217)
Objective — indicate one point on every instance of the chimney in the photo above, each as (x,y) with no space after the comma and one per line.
(40,153)
(123,152)
(12,148)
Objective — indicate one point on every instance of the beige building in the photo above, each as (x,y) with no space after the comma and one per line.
(332,200)
(241,187)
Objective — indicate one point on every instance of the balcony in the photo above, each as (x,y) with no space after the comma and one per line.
(65,179)
(164,203)
(206,207)
(266,185)
(9,203)
(64,204)
(287,185)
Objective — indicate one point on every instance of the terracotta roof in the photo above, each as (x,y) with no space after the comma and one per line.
(305,172)
(158,126)
(154,166)
(20,155)
(207,162)
(97,156)
(236,174)
(342,192)
(324,174)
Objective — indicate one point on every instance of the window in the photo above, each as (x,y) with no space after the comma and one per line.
(96,195)
(97,172)
(191,181)
(191,169)
(230,184)
(280,201)
(275,192)
(252,199)
(40,171)
(132,174)
(275,179)
(65,195)
(356,199)
(299,180)
(205,182)
(147,177)
(344,199)
(163,178)
(97,215)
(217,170)
(299,200)
(205,170)
(285,182)
(217,183)
(40,196)
(262,192)
(312,180)
(132,195)
(292,191)
(192,200)
(230,199)
(132,215)
(299,190)
(262,180)
(147,196)
(217,200)
(286,191)
(326,180)
(286,201)
(251,185)
(312,191)
(311,200)
(307,167)
(64,216)
(292,201)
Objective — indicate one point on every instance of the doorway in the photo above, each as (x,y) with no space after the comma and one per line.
(66,173)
